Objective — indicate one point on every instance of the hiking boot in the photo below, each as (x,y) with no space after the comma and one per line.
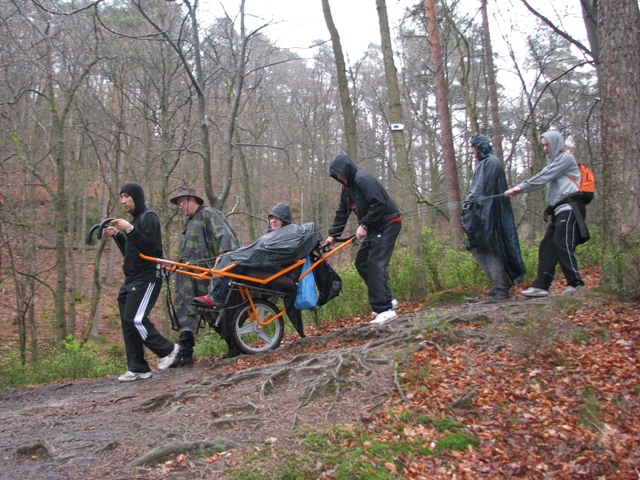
(534,292)
(131,376)
(185,355)
(499,295)
(165,362)
(233,352)
(569,290)
(384,317)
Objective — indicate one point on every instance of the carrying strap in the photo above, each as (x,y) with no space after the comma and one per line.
(175,323)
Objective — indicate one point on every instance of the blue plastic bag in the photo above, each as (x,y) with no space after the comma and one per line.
(307,296)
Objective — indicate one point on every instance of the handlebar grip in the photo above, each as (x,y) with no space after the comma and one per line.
(89,239)
(102,225)
(327,247)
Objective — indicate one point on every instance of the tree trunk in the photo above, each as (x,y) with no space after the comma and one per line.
(60,204)
(444,116)
(343,85)
(619,39)
(491,84)
(406,173)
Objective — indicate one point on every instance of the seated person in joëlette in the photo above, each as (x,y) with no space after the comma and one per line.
(283,244)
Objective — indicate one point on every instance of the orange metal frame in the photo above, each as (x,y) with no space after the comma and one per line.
(203,273)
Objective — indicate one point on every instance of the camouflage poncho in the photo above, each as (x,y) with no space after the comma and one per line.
(206,234)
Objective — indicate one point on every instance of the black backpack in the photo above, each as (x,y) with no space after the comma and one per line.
(328,282)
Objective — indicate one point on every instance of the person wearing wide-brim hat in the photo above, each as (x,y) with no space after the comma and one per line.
(205,236)
(186,193)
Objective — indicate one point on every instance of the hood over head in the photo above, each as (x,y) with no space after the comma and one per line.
(482,144)
(135,191)
(343,165)
(283,212)
(555,142)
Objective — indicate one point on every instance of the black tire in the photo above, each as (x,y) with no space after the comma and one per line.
(247,334)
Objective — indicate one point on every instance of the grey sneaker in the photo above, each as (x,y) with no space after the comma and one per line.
(131,376)
(534,292)
(394,304)
(569,290)
(165,362)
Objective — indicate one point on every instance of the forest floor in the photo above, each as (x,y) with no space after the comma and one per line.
(545,388)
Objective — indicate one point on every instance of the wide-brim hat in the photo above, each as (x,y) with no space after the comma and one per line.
(186,192)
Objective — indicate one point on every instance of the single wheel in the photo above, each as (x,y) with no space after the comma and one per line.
(252,338)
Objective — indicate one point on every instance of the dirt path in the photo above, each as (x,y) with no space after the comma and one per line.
(104,429)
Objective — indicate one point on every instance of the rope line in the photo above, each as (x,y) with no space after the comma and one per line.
(433,208)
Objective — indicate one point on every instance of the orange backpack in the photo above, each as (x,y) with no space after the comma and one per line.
(587,184)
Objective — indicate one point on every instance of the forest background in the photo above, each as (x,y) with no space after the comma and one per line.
(95,94)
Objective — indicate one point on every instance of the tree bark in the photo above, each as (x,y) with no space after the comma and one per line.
(350,132)
(491,83)
(619,39)
(444,116)
(406,174)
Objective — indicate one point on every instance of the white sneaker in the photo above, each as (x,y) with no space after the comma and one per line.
(571,289)
(394,304)
(384,317)
(534,292)
(165,362)
(131,376)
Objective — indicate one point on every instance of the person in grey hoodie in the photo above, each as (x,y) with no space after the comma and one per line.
(567,228)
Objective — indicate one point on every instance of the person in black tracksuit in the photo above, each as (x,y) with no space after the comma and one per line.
(380,223)
(143,280)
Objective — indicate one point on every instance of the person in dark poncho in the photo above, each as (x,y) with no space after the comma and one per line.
(487,219)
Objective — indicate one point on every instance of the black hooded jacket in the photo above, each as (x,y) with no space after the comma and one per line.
(363,194)
(492,215)
(145,238)
(283,212)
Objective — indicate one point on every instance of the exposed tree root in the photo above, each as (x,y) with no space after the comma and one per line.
(156,454)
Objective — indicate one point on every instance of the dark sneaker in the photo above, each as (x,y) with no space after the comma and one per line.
(497,296)
(181,361)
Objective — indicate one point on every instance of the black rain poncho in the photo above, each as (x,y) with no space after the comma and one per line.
(493,215)
(277,248)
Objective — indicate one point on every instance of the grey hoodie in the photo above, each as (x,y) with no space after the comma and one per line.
(555,176)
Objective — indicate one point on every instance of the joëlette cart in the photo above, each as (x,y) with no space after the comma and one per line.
(256,323)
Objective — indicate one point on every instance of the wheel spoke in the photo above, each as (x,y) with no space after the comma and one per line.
(249,328)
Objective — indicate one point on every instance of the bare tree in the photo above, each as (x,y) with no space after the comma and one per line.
(442,102)
(343,85)
(491,83)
